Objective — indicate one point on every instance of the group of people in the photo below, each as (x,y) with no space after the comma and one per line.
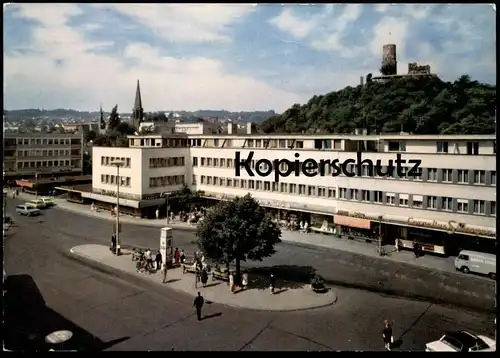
(149,262)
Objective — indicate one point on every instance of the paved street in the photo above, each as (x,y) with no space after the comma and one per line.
(145,318)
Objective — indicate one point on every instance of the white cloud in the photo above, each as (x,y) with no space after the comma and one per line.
(297,27)
(83,79)
(332,26)
(185,22)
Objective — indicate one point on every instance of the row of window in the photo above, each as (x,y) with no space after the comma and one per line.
(166,180)
(159,142)
(351,194)
(43,153)
(336,144)
(433,174)
(114,180)
(44,141)
(166,162)
(48,163)
(106,161)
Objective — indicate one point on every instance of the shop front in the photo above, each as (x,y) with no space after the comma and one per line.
(354,227)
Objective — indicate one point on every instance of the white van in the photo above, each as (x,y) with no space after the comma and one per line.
(478,262)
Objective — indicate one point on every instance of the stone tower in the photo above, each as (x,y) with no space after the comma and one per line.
(137,111)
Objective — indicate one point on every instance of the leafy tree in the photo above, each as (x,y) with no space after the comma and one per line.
(416,104)
(184,199)
(124,129)
(90,136)
(238,230)
(87,164)
(114,118)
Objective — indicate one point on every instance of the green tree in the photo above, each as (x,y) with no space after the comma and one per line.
(90,136)
(421,105)
(238,230)
(114,118)
(87,164)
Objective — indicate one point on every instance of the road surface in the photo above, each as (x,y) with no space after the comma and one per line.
(123,316)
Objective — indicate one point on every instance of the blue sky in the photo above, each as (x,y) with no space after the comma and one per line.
(234,57)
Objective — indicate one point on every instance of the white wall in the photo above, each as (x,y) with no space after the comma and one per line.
(134,172)
(148,172)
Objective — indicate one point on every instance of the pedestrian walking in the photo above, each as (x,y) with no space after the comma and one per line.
(182,257)
(113,242)
(149,258)
(177,256)
(396,244)
(157,213)
(158,260)
(164,273)
(387,335)
(198,304)
(272,283)
(415,249)
(204,277)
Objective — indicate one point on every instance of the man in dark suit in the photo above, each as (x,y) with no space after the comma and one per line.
(198,303)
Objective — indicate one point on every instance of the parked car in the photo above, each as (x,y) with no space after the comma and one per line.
(27,210)
(48,201)
(461,341)
(36,203)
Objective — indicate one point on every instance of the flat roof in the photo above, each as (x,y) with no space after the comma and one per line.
(39,134)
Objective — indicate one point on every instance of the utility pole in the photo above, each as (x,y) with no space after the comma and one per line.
(118,164)
(380,236)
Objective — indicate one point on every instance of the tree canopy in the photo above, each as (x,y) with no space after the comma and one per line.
(238,230)
(116,135)
(416,105)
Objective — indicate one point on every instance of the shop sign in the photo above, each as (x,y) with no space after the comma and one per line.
(451,227)
(351,222)
(275,203)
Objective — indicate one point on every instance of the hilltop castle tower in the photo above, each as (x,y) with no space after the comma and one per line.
(137,111)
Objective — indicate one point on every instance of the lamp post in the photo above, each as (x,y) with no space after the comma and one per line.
(118,164)
(36,186)
(165,195)
(380,236)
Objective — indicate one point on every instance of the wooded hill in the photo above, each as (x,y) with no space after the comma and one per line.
(420,106)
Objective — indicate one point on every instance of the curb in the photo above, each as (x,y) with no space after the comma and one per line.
(138,280)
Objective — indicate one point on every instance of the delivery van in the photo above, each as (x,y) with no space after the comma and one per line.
(477,262)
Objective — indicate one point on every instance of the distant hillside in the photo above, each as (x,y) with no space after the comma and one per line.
(22,114)
(421,106)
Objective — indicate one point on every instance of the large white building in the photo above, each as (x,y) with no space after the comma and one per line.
(451,204)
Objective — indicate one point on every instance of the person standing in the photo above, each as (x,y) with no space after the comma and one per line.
(158,260)
(177,256)
(198,304)
(164,273)
(272,283)
(182,257)
(387,335)
(397,245)
(157,213)
(204,277)
(113,242)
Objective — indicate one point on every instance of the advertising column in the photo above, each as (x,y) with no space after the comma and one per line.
(166,246)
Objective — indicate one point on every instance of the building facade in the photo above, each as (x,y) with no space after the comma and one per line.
(452,199)
(43,154)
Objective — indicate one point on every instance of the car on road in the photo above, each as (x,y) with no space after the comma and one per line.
(477,262)
(27,210)
(48,201)
(36,203)
(461,341)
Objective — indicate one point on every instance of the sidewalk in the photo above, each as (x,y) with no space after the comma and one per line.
(309,239)
(289,297)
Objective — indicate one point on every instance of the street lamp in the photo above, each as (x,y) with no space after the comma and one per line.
(164,194)
(36,186)
(118,164)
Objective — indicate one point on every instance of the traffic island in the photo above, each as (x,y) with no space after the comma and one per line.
(288,296)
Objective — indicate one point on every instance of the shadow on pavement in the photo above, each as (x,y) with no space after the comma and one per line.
(287,277)
(28,320)
(211,316)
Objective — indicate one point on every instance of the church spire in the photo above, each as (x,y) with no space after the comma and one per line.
(137,111)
